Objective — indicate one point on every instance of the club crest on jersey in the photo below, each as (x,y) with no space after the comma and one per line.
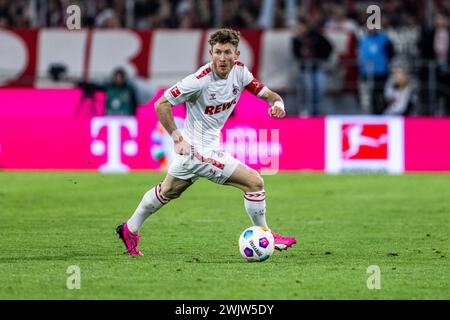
(235,90)
(219,108)
(212,96)
(175,91)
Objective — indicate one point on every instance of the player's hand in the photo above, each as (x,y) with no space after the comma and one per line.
(180,145)
(277,112)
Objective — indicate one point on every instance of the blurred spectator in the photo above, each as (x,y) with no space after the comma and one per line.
(392,11)
(193,14)
(54,16)
(339,20)
(285,14)
(107,19)
(186,14)
(434,48)
(153,14)
(123,94)
(204,8)
(375,52)
(241,14)
(277,14)
(4,14)
(399,93)
(248,14)
(322,13)
(120,95)
(15,13)
(4,22)
(444,7)
(311,49)
(342,32)
(230,13)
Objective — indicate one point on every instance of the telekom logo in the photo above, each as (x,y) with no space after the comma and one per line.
(114,146)
(365,141)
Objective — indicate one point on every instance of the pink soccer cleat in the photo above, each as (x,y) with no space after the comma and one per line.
(282,243)
(130,239)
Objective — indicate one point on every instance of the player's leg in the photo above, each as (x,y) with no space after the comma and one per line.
(180,176)
(152,201)
(170,188)
(252,184)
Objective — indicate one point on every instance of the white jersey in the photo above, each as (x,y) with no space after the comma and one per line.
(209,102)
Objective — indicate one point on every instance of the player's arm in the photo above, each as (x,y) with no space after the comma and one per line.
(175,95)
(165,115)
(258,89)
(276,103)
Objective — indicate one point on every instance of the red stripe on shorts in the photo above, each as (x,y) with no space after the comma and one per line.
(209,160)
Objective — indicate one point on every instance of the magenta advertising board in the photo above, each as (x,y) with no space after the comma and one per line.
(52,129)
(427,144)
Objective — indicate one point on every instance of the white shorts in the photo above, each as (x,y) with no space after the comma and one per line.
(217,166)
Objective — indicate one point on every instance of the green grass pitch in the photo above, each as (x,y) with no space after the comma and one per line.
(346,223)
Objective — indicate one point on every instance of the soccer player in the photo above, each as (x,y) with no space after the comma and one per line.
(210,95)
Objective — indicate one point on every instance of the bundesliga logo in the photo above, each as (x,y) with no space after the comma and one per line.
(364,144)
(175,92)
(364,141)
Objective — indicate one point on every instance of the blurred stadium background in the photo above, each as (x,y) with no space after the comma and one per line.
(341,85)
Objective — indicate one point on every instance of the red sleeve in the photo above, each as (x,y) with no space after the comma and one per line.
(255,86)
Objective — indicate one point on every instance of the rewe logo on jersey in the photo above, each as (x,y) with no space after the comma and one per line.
(219,108)
(114,146)
(364,141)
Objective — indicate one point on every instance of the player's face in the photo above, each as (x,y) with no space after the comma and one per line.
(223,55)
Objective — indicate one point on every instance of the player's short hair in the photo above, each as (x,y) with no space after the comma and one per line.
(223,36)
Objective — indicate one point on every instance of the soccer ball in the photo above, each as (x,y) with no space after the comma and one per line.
(256,244)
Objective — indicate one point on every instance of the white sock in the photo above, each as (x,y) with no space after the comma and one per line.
(255,204)
(151,202)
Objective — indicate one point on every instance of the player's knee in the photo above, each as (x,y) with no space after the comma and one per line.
(173,195)
(256,183)
(171,192)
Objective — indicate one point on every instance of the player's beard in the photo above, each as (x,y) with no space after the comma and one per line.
(224,68)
